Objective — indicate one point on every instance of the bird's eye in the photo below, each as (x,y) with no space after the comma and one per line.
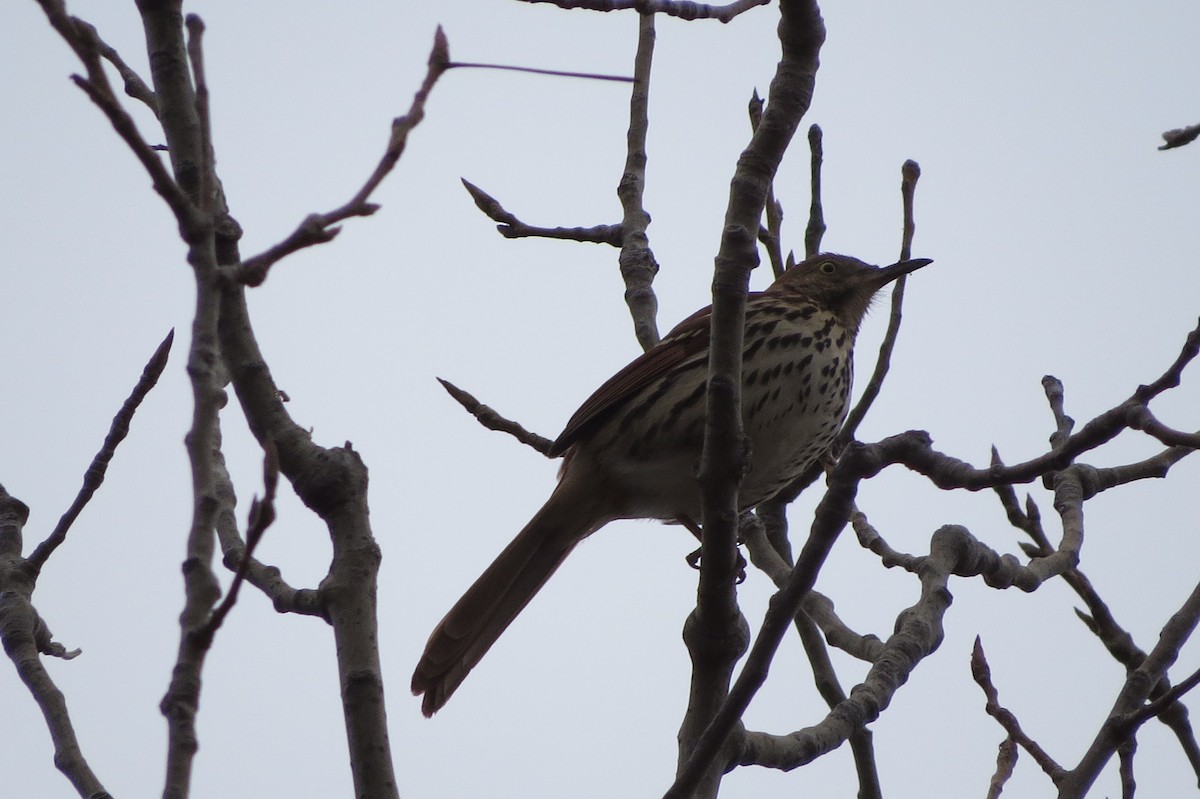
(826,267)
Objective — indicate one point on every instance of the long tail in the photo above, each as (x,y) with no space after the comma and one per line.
(468,631)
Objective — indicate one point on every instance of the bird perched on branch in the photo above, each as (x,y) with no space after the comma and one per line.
(631,450)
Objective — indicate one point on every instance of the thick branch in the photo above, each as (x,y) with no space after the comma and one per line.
(25,635)
(714,630)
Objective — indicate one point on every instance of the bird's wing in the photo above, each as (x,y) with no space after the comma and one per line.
(683,342)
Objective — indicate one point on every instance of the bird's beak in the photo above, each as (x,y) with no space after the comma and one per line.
(887,274)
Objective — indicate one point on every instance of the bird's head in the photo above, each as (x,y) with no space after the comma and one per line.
(841,284)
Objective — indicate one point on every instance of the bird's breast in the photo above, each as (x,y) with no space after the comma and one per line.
(796,379)
(796,388)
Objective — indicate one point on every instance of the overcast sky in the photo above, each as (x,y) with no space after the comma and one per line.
(1065,243)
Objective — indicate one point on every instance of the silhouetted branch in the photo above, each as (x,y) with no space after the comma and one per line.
(983,676)
(705,746)
(815,230)
(1006,762)
(512,228)
(24,634)
(637,262)
(207,166)
(135,87)
(262,513)
(1178,137)
(1099,618)
(683,9)
(78,35)
(94,476)
(771,236)
(1128,710)
(284,598)
(494,421)
(321,228)
(910,174)
(558,73)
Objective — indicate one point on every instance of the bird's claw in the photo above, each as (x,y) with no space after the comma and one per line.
(693,560)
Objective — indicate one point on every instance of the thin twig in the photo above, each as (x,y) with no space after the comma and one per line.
(1161,704)
(533,70)
(321,228)
(684,9)
(1055,396)
(135,87)
(262,513)
(1006,762)
(983,677)
(512,228)
(268,579)
(94,476)
(910,174)
(195,51)
(771,236)
(494,421)
(1130,701)
(815,230)
(78,35)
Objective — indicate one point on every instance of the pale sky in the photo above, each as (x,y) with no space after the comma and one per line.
(1064,242)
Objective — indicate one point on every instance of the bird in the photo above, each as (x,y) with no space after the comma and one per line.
(631,449)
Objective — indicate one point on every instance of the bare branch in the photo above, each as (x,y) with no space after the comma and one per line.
(1178,137)
(284,598)
(321,228)
(1142,419)
(1006,762)
(684,9)
(771,236)
(1125,752)
(917,634)
(535,71)
(910,173)
(24,635)
(1164,702)
(1063,424)
(1126,715)
(135,87)
(983,676)
(494,421)
(870,539)
(79,36)
(195,51)
(705,743)
(637,262)
(826,681)
(815,231)
(94,476)
(1099,618)
(512,228)
(262,513)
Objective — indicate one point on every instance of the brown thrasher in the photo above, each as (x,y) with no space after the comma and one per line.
(631,450)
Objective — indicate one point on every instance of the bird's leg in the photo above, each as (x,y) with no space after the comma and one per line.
(693,558)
